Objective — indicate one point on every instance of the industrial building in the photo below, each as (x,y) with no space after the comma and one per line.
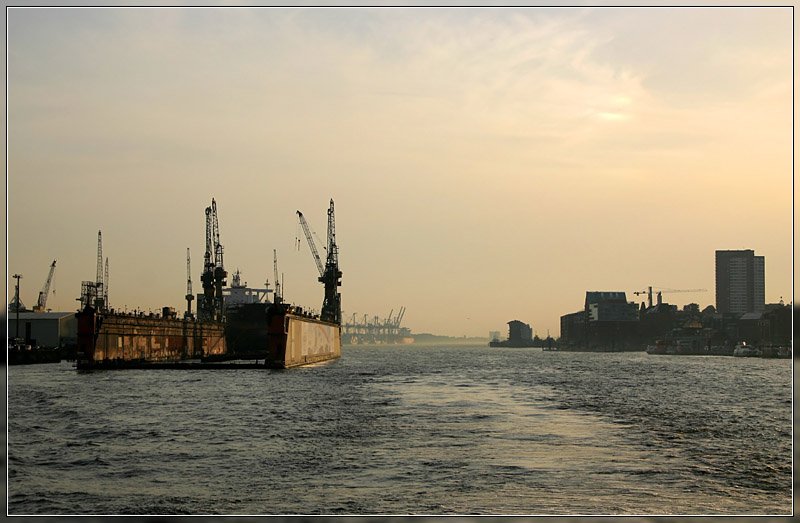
(44,329)
(607,320)
(739,282)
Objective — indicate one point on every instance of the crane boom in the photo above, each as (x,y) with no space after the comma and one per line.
(311,244)
(44,293)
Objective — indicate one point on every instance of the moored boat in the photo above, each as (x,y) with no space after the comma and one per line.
(743,350)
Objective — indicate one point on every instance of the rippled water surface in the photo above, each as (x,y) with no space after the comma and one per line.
(408,430)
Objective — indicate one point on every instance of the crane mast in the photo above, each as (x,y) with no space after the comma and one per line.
(99,293)
(189,294)
(219,269)
(45,292)
(205,308)
(105,285)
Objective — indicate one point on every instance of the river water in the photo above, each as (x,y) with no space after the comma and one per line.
(408,430)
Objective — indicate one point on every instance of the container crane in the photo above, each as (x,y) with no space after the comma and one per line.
(329,274)
(41,303)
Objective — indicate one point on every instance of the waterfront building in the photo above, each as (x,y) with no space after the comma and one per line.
(45,329)
(739,282)
(519,332)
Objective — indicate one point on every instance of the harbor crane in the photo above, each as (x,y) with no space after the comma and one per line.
(41,303)
(105,286)
(329,274)
(214,274)
(649,293)
(99,302)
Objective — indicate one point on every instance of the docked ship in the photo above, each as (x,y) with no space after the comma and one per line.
(249,326)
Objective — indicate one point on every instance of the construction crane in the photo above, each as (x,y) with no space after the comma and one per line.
(189,294)
(329,274)
(41,303)
(649,293)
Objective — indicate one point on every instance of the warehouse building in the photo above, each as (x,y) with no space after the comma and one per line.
(45,329)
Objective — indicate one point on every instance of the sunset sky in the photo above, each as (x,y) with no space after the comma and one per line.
(486,164)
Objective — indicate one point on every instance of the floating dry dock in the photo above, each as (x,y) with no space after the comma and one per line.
(229,327)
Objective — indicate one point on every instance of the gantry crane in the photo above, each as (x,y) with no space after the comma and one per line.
(41,303)
(329,274)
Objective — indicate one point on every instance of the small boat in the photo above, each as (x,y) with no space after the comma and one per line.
(743,350)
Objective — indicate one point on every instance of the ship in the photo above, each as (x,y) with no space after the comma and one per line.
(249,327)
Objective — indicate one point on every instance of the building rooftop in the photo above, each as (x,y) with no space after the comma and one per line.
(53,315)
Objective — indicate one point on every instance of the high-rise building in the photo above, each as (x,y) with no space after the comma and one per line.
(740,282)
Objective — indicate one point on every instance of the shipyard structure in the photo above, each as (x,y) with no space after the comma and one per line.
(232,324)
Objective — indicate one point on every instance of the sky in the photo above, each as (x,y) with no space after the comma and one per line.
(487,165)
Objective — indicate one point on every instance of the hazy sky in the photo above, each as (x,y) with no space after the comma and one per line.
(486,164)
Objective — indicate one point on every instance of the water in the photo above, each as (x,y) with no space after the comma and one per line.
(408,430)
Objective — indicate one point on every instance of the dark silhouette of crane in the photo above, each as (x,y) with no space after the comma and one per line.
(41,303)
(329,274)
(99,302)
(189,294)
(214,274)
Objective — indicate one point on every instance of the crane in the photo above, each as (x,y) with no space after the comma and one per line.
(41,303)
(649,293)
(189,294)
(99,293)
(219,269)
(329,274)
(105,286)
(205,308)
